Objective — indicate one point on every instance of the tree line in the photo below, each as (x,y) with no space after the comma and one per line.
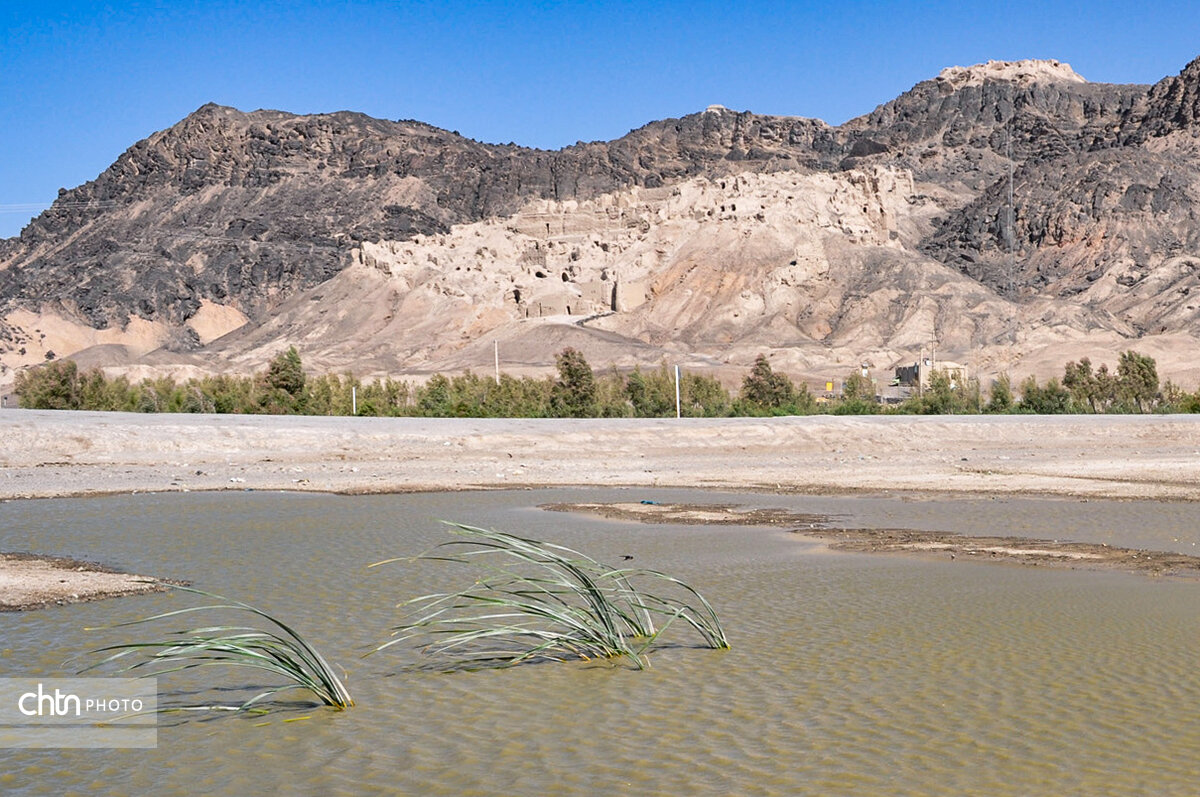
(577,391)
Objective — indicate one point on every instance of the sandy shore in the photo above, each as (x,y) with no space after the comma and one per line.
(49,454)
(64,453)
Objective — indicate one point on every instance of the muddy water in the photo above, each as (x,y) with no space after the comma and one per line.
(849,674)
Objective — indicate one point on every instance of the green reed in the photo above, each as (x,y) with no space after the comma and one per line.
(279,650)
(541,601)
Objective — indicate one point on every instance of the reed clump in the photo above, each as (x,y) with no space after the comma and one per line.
(277,649)
(537,601)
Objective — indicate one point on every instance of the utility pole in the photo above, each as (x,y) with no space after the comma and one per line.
(1011,218)
(678,413)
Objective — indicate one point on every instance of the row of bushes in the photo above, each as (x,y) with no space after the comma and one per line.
(1134,388)
(577,391)
(284,388)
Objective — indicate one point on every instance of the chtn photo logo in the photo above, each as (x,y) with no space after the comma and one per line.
(78,712)
(60,704)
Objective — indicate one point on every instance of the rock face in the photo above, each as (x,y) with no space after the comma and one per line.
(1111,226)
(964,128)
(705,265)
(392,246)
(1171,107)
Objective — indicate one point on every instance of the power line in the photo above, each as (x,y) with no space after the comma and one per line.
(37,207)
(28,207)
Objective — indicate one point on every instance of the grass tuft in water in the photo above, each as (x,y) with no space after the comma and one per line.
(537,601)
(279,650)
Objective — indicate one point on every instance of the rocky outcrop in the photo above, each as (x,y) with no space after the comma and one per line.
(1172,106)
(1090,225)
(247,208)
(962,130)
(1072,219)
(811,265)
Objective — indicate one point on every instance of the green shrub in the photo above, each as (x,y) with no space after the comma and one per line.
(1000,397)
(53,386)
(574,394)
(765,392)
(1050,399)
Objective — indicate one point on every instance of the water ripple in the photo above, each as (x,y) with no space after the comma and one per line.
(850,674)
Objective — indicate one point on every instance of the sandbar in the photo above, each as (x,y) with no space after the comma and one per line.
(35,581)
(1062,554)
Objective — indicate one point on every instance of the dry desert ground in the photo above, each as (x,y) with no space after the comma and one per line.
(48,454)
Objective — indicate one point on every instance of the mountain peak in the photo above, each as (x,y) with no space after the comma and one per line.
(1020,72)
(1172,105)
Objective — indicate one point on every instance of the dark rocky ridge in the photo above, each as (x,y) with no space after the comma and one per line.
(1129,200)
(1073,217)
(951,134)
(1171,106)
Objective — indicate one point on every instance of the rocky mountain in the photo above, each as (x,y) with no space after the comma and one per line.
(389,247)
(241,209)
(964,128)
(1113,226)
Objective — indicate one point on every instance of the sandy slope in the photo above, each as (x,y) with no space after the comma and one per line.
(59,453)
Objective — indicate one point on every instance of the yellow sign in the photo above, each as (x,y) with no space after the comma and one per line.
(829,387)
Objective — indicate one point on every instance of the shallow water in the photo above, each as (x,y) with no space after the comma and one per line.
(849,673)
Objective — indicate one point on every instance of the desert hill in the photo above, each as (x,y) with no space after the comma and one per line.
(395,247)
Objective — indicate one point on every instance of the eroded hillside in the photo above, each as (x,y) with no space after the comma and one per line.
(380,246)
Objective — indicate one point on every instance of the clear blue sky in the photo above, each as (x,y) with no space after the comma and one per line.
(82,81)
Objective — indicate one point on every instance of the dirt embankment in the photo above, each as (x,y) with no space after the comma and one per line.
(50,454)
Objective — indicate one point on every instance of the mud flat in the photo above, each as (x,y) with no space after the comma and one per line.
(30,581)
(935,544)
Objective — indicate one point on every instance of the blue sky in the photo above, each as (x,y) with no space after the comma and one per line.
(82,81)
